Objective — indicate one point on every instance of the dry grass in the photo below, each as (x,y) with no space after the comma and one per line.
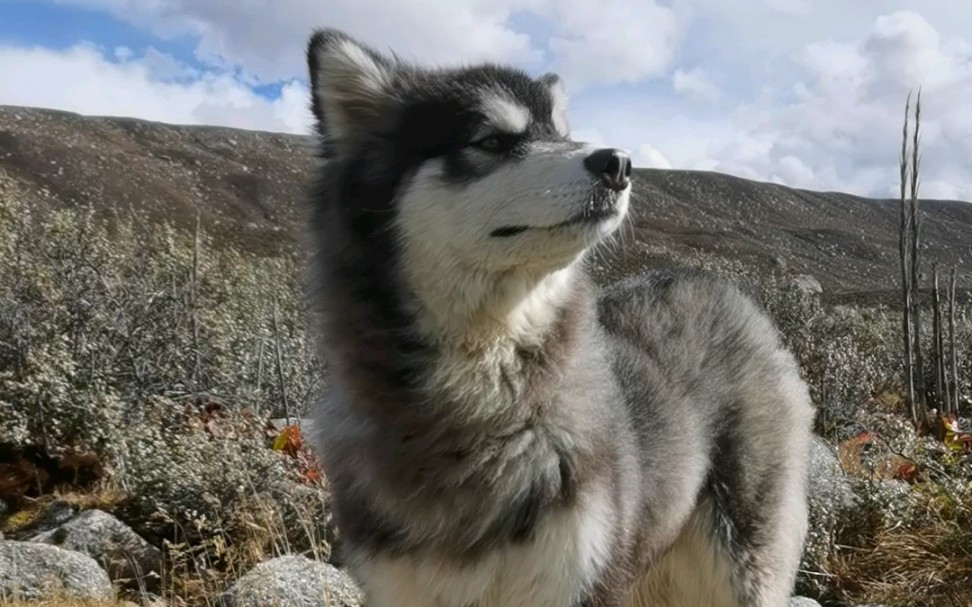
(66,602)
(107,361)
(103,495)
(927,566)
(198,571)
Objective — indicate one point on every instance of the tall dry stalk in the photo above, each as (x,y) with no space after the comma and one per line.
(904,255)
(193,306)
(259,377)
(939,342)
(951,339)
(915,269)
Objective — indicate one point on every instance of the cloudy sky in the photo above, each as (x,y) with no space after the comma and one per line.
(809,93)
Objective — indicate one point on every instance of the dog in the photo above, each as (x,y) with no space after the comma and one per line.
(497,431)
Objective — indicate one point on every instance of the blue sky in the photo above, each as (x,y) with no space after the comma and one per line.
(808,93)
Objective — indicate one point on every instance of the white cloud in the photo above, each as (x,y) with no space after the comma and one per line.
(267,38)
(154,86)
(603,42)
(695,84)
(614,41)
(648,157)
(757,29)
(839,127)
(832,123)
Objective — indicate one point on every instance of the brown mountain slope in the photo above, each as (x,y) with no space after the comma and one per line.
(246,187)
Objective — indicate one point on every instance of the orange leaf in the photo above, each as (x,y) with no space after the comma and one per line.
(906,471)
(289,440)
(311,475)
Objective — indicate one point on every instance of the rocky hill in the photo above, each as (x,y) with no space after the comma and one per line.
(246,187)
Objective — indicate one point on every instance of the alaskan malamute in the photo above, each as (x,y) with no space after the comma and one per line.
(497,431)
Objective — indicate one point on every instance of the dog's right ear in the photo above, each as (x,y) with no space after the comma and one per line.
(351,85)
(558,101)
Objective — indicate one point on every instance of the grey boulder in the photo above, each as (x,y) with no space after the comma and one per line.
(33,572)
(124,555)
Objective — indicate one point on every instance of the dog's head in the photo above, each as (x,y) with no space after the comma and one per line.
(469,164)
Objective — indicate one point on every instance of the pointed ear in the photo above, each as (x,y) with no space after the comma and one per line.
(351,85)
(558,102)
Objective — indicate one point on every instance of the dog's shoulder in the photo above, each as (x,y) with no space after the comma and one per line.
(686,293)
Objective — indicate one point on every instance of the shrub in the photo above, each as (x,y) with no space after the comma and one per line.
(96,319)
(108,334)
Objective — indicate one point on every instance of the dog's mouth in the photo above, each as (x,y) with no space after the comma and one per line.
(602,206)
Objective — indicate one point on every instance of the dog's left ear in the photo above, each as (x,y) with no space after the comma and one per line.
(558,101)
(351,85)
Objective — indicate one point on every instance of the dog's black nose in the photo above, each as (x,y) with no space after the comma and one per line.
(613,166)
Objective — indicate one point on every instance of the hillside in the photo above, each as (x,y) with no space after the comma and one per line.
(246,187)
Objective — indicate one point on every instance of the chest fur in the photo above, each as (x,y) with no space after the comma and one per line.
(554,569)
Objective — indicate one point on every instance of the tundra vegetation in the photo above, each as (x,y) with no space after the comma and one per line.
(160,376)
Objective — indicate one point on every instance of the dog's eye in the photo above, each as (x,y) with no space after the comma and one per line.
(490,144)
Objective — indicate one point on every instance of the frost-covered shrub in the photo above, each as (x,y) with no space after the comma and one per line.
(196,467)
(107,330)
(96,320)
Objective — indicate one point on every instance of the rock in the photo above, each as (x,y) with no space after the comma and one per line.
(827,481)
(294,581)
(831,495)
(807,284)
(122,553)
(31,571)
(50,517)
(802,601)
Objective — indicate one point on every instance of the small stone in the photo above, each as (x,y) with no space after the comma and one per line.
(294,581)
(808,284)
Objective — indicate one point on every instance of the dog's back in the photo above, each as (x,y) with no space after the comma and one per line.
(723,420)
